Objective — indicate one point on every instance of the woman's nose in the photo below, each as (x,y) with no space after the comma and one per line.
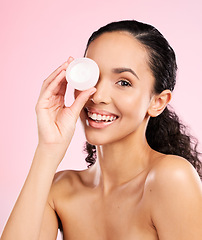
(102,95)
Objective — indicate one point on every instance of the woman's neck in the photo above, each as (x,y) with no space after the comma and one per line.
(119,162)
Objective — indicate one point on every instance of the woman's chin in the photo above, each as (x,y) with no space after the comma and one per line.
(93,139)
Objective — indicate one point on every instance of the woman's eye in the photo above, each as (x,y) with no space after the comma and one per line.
(124,83)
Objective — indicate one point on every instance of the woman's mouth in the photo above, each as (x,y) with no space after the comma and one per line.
(97,119)
(101,118)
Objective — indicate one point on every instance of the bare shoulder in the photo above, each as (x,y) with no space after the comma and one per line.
(173,174)
(64,177)
(175,194)
(70,178)
(174,171)
(65,183)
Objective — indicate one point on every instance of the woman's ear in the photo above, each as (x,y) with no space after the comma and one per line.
(159,102)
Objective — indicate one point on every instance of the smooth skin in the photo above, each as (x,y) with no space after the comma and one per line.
(131,192)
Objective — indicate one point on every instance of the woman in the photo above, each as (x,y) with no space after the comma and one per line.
(141,186)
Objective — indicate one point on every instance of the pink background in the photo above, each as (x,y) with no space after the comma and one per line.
(37,36)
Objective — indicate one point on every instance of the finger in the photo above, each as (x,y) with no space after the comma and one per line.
(56,73)
(55,86)
(81,100)
(58,70)
(63,87)
(58,85)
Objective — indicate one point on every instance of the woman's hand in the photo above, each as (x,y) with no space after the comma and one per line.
(56,122)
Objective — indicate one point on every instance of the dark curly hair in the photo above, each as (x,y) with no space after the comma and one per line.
(165,133)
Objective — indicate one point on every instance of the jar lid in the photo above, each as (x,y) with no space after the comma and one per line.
(82,73)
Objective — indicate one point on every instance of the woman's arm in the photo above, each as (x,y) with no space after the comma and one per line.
(56,125)
(26,218)
(176,195)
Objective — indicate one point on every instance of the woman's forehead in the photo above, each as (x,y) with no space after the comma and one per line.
(118,49)
(113,41)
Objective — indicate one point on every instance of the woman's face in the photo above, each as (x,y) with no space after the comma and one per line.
(118,109)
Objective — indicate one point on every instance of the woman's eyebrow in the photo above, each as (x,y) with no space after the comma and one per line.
(123,69)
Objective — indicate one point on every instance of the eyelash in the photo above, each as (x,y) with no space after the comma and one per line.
(128,84)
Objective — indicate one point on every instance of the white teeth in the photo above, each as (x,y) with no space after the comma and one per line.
(104,117)
(94,116)
(107,118)
(99,117)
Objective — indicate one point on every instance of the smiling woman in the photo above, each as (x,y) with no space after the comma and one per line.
(164,133)
(138,151)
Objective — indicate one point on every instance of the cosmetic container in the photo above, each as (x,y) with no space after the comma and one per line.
(82,73)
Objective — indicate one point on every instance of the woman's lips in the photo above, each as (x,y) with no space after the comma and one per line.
(99,118)
(99,111)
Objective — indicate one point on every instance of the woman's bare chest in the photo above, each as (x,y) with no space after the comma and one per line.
(122,215)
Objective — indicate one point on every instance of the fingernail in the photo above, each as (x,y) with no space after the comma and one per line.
(93,91)
(70,58)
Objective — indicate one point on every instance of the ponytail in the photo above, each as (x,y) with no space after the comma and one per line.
(166,134)
(91,151)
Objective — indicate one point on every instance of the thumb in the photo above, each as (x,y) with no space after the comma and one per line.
(81,100)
